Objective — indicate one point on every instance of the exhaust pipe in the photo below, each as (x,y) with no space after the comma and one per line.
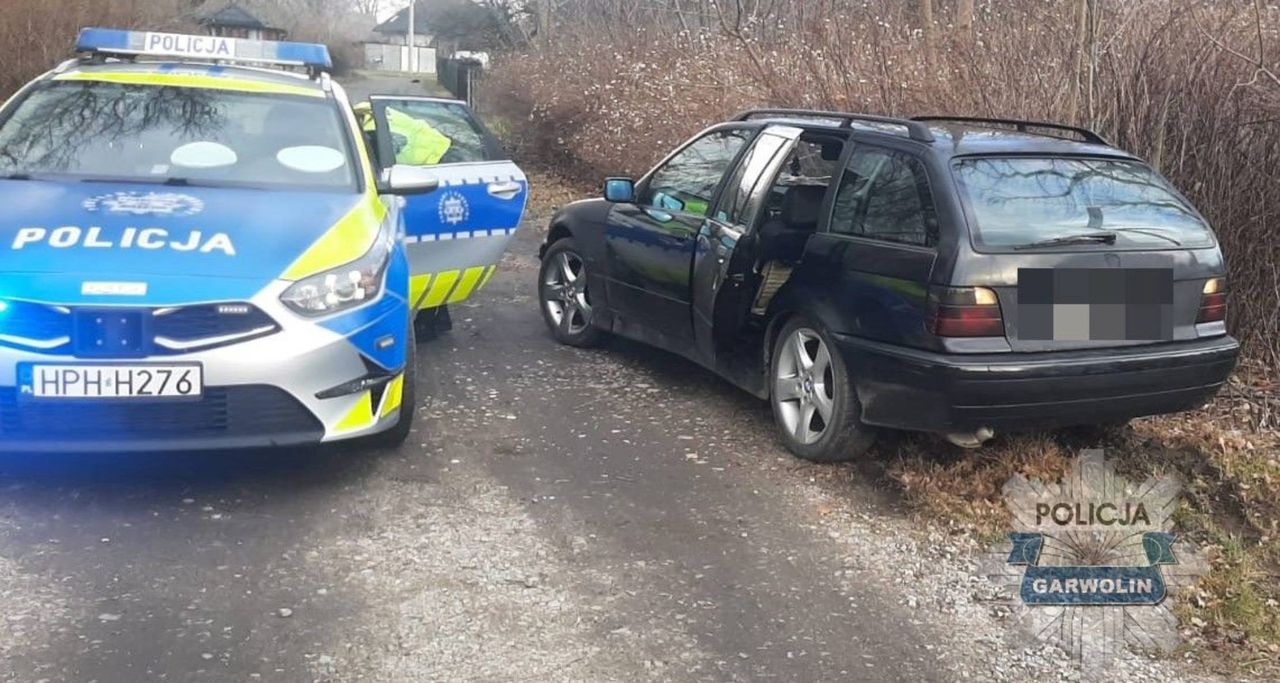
(972,440)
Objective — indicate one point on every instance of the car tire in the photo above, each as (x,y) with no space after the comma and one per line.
(397,435)
(815,407)
(564,298)
(430,323)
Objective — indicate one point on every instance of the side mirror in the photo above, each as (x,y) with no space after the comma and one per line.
(619,190)
(407,180)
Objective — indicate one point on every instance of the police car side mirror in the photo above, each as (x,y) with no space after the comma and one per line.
(407,180)
(619,190)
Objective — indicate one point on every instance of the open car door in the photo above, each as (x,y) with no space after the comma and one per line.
(722,293)
(455,235)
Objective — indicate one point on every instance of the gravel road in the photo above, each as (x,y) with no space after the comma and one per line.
(557,515)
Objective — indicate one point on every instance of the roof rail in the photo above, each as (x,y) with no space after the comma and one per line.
(915,130)
(1019,125)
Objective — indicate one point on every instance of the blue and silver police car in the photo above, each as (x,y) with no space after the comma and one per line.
(202,247)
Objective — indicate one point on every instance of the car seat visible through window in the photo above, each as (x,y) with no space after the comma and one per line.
(783,236)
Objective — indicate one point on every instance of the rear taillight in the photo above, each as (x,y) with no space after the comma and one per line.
(1213,301)
(964,312)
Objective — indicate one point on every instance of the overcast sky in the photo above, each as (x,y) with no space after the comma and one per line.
(390,7)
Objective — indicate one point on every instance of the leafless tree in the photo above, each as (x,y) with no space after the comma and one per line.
(927,25)
(368,7)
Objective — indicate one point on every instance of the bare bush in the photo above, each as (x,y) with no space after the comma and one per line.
(1191,87)
(36,34)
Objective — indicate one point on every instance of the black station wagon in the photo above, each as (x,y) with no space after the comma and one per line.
(958,276)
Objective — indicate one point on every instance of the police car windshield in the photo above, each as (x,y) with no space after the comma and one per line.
(196,136)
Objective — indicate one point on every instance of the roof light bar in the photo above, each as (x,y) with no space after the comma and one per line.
(217,48)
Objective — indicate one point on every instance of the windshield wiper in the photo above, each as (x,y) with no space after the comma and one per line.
(1107,237)
(173,182)
(15,176)
(1153,233)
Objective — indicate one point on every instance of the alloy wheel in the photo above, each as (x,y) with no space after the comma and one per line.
(804,386)
(565,293)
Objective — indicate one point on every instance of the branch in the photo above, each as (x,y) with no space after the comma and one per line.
(1260,67)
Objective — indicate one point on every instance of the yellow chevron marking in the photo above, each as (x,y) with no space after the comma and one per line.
(345,242)
(467,285)
(360,415)
(488,274)
(189,80)
(418,289)
(441,288)
(392,396)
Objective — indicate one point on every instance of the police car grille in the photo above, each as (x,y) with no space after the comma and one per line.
(232,411)
(35,322)
(210,323)
(174,330)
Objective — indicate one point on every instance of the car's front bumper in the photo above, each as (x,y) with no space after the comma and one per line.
(920,390)
(259,393)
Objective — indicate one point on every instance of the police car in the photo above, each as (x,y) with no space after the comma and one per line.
(200,248)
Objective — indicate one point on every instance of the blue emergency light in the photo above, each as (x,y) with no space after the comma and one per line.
(109,41)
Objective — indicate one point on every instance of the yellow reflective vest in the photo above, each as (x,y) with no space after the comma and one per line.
(423,146)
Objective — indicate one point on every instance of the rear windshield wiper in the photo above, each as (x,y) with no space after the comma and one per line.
(1106,237)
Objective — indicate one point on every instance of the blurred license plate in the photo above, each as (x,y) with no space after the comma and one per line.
(111,381)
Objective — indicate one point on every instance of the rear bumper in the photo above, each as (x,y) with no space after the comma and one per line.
(921,390)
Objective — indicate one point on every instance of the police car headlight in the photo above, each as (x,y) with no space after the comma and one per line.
(341,288)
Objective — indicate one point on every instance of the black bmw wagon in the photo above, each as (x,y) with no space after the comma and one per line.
(952,275)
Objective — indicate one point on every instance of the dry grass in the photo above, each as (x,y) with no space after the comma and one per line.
(1230,508)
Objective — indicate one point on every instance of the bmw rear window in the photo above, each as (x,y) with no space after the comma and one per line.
(1017,201)
(177,135)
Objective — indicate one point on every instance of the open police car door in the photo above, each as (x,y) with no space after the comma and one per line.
(455,235)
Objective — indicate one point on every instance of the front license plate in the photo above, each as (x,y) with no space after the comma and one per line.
(111,381)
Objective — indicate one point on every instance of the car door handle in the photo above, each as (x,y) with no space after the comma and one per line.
(505,190)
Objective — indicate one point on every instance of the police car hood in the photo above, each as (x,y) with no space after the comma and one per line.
(161,245)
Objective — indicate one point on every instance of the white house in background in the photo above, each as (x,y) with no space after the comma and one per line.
(388,49)
(235,21)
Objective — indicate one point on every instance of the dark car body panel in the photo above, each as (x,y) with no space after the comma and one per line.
(648,255)
(871,297)
(912,389)
(888,281)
